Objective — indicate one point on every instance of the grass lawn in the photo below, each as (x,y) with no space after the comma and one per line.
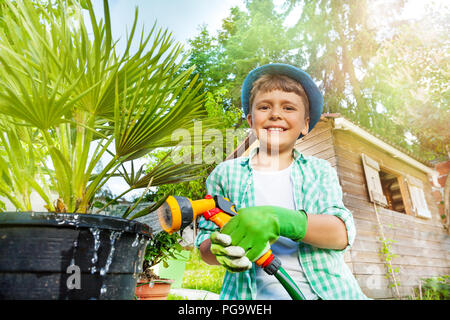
(200,276)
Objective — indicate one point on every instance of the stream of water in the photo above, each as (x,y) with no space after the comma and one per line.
(152,221)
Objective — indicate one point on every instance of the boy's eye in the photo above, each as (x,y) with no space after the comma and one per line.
(290,108)
(263,107)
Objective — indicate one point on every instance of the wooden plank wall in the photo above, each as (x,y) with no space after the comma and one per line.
(319,142)
(422,245)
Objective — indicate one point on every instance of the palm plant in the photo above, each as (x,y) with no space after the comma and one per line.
(19,175)
(79,100)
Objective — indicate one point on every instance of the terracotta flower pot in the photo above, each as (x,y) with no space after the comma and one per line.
(153,290)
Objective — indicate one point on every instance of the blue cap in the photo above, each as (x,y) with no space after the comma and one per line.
(312,91)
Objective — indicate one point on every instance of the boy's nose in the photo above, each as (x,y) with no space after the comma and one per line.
(275,114)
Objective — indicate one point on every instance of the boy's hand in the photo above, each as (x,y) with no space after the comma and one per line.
(255,228)
(231,257)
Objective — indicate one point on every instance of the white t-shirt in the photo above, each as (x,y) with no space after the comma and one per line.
(274,188)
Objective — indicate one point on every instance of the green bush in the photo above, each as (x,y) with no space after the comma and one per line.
(435,288)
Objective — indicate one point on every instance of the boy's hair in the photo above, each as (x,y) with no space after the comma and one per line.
(270,82)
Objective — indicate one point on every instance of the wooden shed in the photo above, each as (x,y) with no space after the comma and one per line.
(389,192)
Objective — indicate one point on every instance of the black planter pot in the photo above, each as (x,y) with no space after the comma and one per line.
(69,256)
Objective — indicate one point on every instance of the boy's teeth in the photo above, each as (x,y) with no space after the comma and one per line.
(275,129)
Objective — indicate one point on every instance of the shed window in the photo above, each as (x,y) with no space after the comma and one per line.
(374,187)
(419,204)
(390,184)
(393,191)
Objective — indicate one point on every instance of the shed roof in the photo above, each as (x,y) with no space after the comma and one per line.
(381,138)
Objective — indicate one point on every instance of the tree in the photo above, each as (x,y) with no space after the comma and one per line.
(412,80)
(335,44)
(332,41)
(412,75)
(342,44)
(245,41)
(369,61)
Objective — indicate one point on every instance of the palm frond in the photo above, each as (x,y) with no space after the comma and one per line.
(78,95)
(166,172)
(150,209)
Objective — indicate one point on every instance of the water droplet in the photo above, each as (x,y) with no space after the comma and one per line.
(113,237)
(96,234)
(103,290)
(136,241)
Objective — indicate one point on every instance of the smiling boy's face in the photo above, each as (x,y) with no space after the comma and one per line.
(278,118)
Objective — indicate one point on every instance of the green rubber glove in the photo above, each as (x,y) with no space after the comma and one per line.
(255,228)
(231,257)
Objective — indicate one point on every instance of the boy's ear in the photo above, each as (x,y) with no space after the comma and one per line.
(306,128)
(249,119)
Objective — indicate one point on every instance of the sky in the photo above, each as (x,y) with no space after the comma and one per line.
(181,17)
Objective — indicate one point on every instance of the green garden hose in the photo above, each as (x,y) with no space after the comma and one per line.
(289,285)
(274,268)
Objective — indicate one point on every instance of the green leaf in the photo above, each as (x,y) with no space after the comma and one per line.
(78,95)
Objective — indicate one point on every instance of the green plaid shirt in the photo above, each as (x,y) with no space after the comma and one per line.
(317,191)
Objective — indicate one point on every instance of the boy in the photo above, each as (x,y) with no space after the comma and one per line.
(287,201)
